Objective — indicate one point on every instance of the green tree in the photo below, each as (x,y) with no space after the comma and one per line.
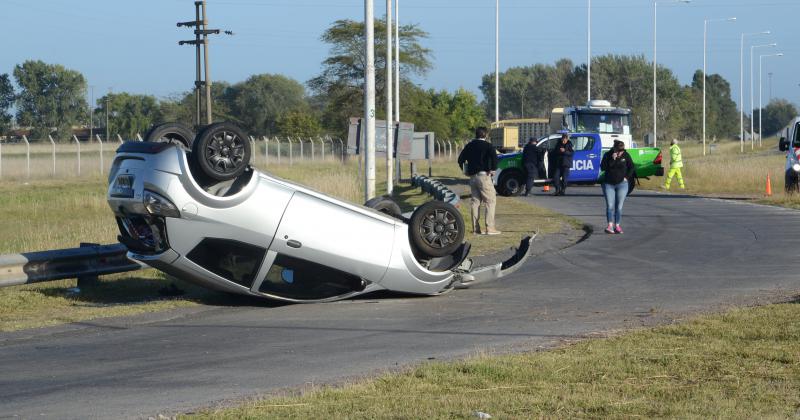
(128,114)
(299,124)
(181,108)
(6,101)
(777,114)
(51,97)
(261,101)
(339,88)
(465,114)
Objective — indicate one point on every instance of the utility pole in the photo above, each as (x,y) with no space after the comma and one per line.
(389,111)
(769,76)
(497,61)
(201,32)
(589,52)
(369,100)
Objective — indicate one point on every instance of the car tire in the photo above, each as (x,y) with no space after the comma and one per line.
(385,205)
(221,151)
(791,181)
(175,133)
(511,183)
(436,229)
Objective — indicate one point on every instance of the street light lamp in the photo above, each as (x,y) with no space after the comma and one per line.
(655,45)
(741,87)
(705,44)
(752,101)
(760,107)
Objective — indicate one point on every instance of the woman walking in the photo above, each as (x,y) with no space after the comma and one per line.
(618,167)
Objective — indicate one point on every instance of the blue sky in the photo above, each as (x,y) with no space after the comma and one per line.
(132,46)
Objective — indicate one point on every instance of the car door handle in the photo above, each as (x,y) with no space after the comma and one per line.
(294,243)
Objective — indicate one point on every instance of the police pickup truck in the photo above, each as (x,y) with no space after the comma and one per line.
(790,143)
(510,177)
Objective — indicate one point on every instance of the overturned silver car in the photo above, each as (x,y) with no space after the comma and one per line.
(193,207)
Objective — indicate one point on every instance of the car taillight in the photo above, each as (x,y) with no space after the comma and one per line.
(658,159)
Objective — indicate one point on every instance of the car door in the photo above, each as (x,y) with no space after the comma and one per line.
(586,160)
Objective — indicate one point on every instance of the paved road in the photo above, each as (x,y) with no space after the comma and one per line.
(678,255)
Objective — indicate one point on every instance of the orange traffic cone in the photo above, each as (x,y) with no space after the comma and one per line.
(769,186)
(546,188)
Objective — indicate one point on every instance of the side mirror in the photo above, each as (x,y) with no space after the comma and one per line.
(783,145)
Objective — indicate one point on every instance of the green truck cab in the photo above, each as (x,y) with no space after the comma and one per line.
(510,177)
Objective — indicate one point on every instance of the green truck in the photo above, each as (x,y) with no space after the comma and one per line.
(510,177)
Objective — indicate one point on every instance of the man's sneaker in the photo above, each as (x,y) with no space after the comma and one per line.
(618,230)
(493,232)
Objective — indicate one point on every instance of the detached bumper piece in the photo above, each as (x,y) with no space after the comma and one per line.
(467,276)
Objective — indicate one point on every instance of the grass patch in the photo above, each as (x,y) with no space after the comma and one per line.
(741,364)
(52,214)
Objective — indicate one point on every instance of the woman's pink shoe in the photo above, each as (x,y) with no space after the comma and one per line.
(618,230)
(609,230)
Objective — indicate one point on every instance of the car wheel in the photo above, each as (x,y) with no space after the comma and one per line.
(511,183)
(791,182)
(436,229)
(175,133)
(221,151)
(385,205)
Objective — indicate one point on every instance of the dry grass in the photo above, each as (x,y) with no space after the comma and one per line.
(742,364)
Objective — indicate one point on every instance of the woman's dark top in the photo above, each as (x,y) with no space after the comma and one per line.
(619,169)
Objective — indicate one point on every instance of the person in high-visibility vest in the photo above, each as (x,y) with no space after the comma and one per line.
(675,164)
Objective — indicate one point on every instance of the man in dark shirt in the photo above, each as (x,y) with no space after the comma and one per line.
(532,159)
(479,161)
(563,162)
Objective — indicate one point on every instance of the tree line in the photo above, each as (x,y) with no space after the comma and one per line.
(50,99)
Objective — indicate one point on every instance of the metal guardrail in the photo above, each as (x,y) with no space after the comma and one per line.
(84,262)
(435,188)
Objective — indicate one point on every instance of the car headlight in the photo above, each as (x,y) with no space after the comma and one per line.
(158,205)
(796,167)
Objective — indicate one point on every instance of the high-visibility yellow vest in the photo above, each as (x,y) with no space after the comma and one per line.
(675,158)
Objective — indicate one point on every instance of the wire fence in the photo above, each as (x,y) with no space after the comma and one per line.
(49,159)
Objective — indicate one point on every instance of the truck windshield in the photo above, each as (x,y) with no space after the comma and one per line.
(603,123)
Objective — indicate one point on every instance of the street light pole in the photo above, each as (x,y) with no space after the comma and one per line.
(397,61)
(589,52)
(752,101)
(760,82)
(369,100)
(655,67)
(741,87)
(389,100)
(497,61)
(705,46)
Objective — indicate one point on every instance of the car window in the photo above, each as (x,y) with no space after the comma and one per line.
(233,260)
(294,278)
(796,141)
(582,142)
(548,144)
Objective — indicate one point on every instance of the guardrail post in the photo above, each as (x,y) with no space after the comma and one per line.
(341,145)
(27,156)
(101,153)
(85,282)
(74,137)
(120,139)
(53,143)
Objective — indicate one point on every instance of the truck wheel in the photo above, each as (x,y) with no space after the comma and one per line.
(385,205)
(221,151)
(511,183)
(791,182)
(436,229)
(175,133)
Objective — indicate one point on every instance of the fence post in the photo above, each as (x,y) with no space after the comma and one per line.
(341,146)
(449,150)
(253,146)
(74,137)
(278,140)
(119,138)
(266,150)
(27,156)
(101,152)
(52,142)
(291,151)
(311,140)
(300,140)
(1,160)
(139,137)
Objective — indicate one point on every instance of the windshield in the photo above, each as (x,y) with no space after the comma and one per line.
(603,123)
